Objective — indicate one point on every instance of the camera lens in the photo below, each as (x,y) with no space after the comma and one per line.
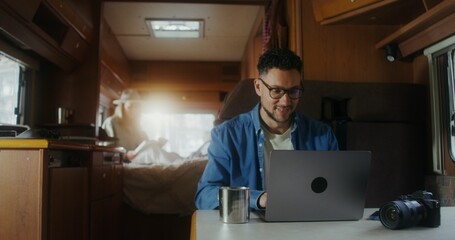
(401,214)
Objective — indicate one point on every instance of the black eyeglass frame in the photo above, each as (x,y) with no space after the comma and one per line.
(281,92)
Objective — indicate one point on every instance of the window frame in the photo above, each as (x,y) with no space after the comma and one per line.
(441,60)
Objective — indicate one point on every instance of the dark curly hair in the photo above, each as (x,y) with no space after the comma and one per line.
(283,59)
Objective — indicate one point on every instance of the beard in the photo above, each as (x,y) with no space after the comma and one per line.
(272,116)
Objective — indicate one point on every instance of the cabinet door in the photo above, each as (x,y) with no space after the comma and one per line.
(69,11)
(68,203)
(101,177)
(324,9)
(21,175)
(118,197)
(102,220)
(74,44)
(63,8)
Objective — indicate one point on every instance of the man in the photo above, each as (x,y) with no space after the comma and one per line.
(240,147)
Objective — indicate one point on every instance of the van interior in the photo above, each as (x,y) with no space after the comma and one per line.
(379,72)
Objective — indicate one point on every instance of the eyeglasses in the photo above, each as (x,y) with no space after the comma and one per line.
(277,93)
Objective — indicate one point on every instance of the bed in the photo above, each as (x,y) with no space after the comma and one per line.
(161,182)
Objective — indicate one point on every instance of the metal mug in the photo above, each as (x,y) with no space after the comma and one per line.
(64,115)
(234,204)
(61,115)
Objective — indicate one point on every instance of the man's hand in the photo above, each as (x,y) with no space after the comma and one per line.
(263,200)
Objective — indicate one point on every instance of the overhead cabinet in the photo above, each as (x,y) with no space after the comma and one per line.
(324,10)
(55,29)
(366,11)
(74,45)
(66,10)
(24,8)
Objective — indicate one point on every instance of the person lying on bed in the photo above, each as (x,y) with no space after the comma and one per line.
(240,147)
(124,124)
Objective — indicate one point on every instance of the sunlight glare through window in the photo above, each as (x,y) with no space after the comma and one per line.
(9,89)
(185,132)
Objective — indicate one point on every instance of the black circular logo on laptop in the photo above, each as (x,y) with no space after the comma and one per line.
(319,185)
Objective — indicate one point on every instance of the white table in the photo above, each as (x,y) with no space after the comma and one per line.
(207,226)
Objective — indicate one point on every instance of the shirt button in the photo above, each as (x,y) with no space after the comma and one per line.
(260,144)
(260,169)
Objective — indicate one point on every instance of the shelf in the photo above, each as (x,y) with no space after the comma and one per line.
(430,27)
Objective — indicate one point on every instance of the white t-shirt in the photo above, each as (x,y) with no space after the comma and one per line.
(275,141)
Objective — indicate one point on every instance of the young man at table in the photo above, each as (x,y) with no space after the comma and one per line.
(240,147)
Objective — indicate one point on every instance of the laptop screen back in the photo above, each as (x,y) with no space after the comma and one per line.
(317,185)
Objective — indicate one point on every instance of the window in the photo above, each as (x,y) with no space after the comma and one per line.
(10,91)
(185,132)
(441,58)
(17,71)
(451,92)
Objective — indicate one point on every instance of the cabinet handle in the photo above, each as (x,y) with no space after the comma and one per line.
(104,175)
(353,1)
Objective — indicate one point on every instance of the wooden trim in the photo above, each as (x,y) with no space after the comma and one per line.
(242,2)
(43,180)
(294,19)
(356,12)
(108,64)
(429,4)
(421,23)
(180,86)
(432,34)
(20,56)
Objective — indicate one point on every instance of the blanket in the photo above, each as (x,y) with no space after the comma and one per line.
(163,187)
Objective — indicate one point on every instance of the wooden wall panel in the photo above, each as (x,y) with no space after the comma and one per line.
(113,59)
(253,49)
(77,89)
(250,58)
(153,72)
(346,53)
(194,86)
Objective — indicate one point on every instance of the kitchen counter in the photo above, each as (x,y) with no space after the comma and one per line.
(24,143)
(59,189)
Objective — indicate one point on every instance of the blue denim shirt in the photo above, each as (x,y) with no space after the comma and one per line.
(236,154)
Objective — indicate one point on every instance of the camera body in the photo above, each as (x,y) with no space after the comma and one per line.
(416,209)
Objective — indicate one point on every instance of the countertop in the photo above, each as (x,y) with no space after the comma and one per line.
(38,143)
(206,225)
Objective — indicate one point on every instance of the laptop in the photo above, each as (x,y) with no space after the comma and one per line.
(316,185)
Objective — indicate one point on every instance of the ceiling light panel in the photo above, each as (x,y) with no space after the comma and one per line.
(176,28)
